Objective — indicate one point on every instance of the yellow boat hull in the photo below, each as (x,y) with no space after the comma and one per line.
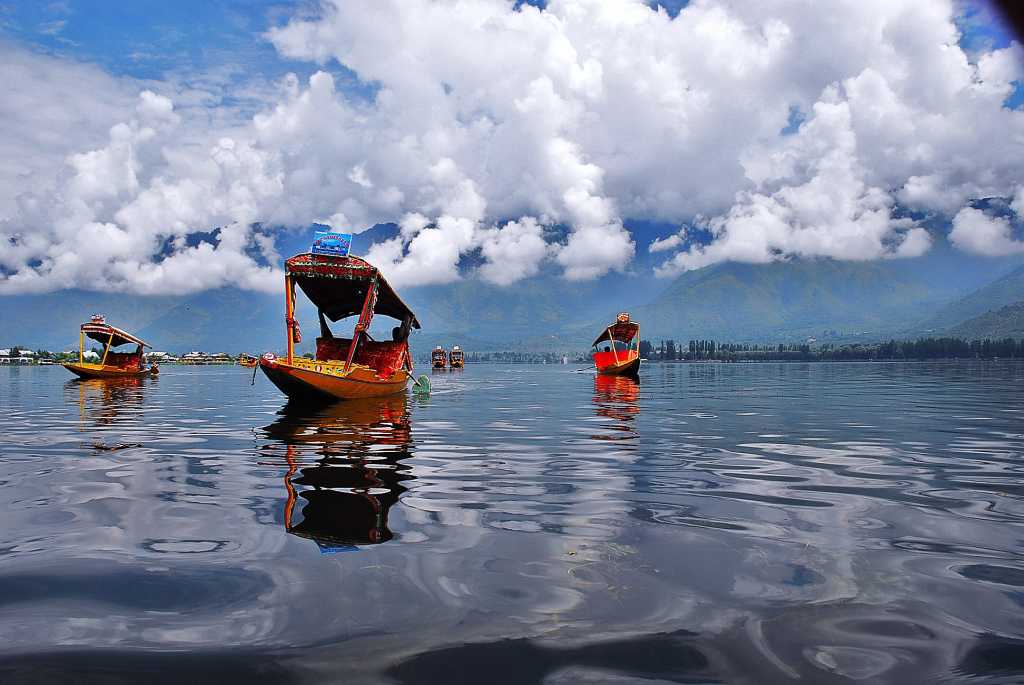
(317,381)
(106,371)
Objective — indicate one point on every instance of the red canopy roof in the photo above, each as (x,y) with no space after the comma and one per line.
(100,332)
(622,331)
(338,286)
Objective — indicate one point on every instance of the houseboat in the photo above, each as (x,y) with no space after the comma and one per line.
(616,351)
(111,364)
(343,368)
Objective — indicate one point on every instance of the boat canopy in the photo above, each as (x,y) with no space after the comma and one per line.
(623,331)
(101,332)
(338,286)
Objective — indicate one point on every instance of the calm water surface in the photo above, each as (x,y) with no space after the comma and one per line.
(525,524)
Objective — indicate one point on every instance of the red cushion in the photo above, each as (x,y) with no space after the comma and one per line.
(384,357)
(328,349)
(123,360)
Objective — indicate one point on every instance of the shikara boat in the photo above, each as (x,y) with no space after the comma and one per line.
(438,358)
(456,359)
(111,364)
(247,361)
(343,368)
(616,351)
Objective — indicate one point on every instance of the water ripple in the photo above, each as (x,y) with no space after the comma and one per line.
(713,522)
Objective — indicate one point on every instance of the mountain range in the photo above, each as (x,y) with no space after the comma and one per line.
(944,291)
(1006,322)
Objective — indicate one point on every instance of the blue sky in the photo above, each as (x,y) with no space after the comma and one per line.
(150,39)
(181,40)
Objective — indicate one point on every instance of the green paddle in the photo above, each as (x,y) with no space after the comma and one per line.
(420,385)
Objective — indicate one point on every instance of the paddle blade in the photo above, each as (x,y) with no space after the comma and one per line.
(421,385)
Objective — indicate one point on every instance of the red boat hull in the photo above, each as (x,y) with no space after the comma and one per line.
(626,364)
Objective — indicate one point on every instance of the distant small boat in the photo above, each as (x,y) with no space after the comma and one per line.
(439,358)
(247,361)
(343,368)
(616,351)
(111,364)
(456,358)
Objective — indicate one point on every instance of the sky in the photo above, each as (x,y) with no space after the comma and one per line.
(157,147)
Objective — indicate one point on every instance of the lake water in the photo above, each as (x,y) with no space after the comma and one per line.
(745,523)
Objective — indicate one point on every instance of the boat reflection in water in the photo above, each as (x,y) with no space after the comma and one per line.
(345,469)
(617,398)
(106,401)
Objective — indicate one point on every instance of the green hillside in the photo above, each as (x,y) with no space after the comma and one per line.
(51,320)
(1004,291)
(1006,322)
(782,301)
(786,300)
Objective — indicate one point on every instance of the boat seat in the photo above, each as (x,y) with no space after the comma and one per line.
(124,360)
(332,349)
(383,357)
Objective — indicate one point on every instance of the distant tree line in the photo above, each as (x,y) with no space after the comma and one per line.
(922,348)
(510,357)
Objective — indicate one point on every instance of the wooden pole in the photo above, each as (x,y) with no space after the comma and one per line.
(81,346)
(289,305)
(364,321)
(615,354)
(106,348)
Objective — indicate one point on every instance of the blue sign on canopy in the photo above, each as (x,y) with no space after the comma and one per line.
(332,243)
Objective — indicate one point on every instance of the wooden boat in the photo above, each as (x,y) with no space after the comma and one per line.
(111,364)
(456,359)
(438,358)
(343,368)
(247,361)
(616,351)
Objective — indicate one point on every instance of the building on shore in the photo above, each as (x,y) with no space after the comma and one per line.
(196,357)
(17,356)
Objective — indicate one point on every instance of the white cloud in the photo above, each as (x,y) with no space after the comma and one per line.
(664,244)
(513,252)
(490,124)
(820,205)
(991,236)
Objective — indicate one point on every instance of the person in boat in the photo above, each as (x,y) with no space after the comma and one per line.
(400,333)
